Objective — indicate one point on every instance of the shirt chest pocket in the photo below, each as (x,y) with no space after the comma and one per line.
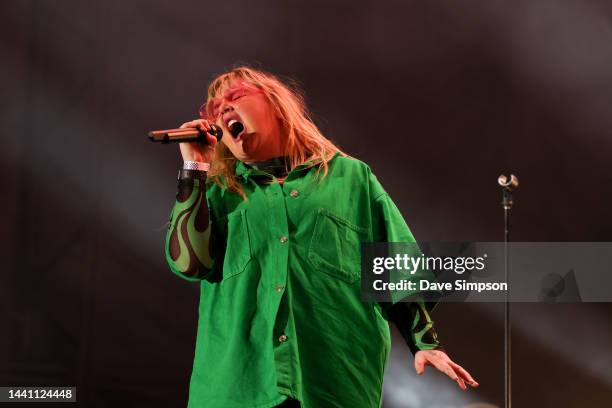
(237,243)
(335,246)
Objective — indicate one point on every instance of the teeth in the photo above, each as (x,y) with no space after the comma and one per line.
(231,122)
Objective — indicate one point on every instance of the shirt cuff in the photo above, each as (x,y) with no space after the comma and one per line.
(415,326)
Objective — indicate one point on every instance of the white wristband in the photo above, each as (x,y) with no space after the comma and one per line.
(194,165)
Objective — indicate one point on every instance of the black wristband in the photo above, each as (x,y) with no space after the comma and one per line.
(185,174)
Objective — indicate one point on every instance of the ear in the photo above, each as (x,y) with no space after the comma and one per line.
(202,112)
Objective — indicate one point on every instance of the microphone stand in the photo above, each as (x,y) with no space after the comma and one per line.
(508,185)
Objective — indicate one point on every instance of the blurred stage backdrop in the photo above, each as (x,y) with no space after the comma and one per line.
(439,97)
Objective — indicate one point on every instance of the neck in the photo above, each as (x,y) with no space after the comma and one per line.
(275,151)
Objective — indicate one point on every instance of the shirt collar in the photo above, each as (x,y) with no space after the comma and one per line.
(245,170)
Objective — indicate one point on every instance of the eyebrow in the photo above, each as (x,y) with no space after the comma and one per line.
(214,103)
(238,88)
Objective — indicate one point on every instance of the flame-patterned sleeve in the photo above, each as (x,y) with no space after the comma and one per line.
(188,244)
(415,325)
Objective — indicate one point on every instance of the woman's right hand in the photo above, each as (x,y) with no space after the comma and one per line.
(199,151)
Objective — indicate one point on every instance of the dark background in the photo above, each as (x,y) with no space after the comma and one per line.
(439,97)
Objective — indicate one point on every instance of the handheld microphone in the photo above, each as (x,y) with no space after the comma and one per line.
(184,135)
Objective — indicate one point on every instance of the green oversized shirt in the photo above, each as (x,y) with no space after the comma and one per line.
(280,309)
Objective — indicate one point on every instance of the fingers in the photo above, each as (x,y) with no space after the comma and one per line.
(211,140)
(461,383)
(419,365)
(189,124)
(444,364)
(464,374)
(206,127)
(448,370)
(458,374)
(203,125)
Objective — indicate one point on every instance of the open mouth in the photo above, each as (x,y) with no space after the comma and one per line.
(236,129)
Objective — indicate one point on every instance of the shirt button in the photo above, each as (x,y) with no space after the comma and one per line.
(294,193)
(279,288)
(282,338)
(283,239)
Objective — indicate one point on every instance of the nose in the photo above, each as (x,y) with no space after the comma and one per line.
(226,108)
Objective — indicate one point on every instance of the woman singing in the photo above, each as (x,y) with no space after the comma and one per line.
(269,222)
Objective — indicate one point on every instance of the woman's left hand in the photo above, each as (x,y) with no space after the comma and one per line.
(442,362)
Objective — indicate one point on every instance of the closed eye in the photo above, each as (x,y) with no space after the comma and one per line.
(238,95)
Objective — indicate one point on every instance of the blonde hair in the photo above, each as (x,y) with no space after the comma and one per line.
(305,142)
